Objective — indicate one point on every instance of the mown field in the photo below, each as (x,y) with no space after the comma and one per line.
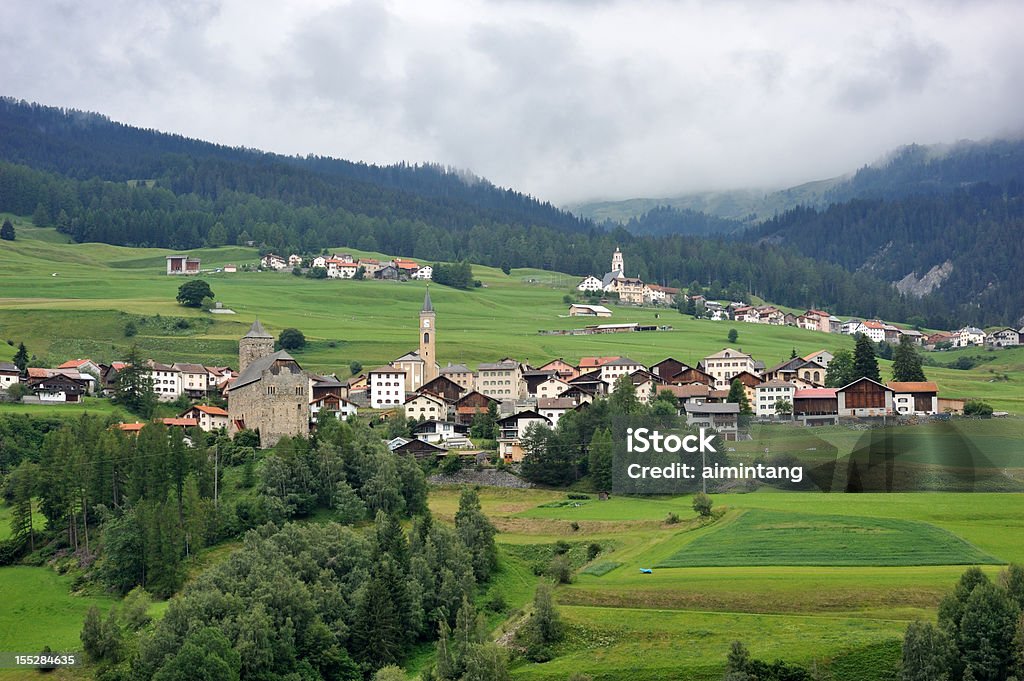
(73,300)
(678,622)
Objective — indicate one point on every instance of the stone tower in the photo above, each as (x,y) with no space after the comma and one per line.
(428,333)
(254,345)
(617,264)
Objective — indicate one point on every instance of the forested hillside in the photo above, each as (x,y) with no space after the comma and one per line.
(101,181)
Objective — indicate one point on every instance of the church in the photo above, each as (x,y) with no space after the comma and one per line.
(271,393)
(420,366)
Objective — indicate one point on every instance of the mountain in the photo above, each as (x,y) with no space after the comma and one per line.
(101,181)
(908,171)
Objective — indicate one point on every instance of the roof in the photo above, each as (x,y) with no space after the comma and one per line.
(257,331)
(413,356)
(73,363)
(622,362)
(131,427)
(386,369)
(777,384)
(455,369)
(557,403)
(813,354)
(497,366)
(808,393)
(725,353)
(528,414)
(325,381)
(865,378)
(427,395)
(208,409)
(592,362)
(9,367)
(39,372)
(913,386)
(255,370)
(593,308)
(190,368)
(713,408)
(685,391)
(180,421)
(427,305)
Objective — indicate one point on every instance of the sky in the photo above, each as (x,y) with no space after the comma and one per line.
(567,100)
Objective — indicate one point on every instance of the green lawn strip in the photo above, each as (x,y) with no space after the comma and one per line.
(761,537)
(655,645)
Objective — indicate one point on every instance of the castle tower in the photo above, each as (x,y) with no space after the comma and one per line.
(617,264)
(428,333)
(255,344)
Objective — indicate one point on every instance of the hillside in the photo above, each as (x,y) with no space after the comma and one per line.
(95,289)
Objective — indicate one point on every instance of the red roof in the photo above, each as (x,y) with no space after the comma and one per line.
(207,409)
(39,372)
(913,386)
(131,427)
(807,393)
(592,362)
(180,421)
(73,363)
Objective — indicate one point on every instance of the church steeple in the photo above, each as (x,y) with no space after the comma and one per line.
(617,264)
(428,332)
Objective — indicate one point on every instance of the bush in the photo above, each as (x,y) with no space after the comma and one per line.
(577,495)
(702,504)
(291,339)
(130,330)
(977,408)
(672,519)
(575,526)
(562,547)
(452,464)
(593,551)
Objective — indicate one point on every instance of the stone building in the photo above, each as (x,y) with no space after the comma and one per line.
(271,393)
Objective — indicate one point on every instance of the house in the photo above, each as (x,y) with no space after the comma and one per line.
(812,372)
(590,284)
(471,404)
(865,397)
(816,406)
(768,394)
(723,418)
(630,290)
(389,272)
(580,310)
(426,406)
(815,320)
(414,367)
(179,422)
(9,375)
(749,381)
(915,397)
(565,371)
(502,380)
(437,431)
(459,374)
(182,264)
(534,377)
(294,260)
(419,449)
(725,364)
(339,269)
(194,379)
(696,393)
(425,273)
(511,431)
(57,388)
(552,387)
(370,266)
(610,372)
(325,385)
(386,387)
(344,257)
(938,337)
(273,262)
(951,405)
(83,366)
(873,329)
(850,327)
(319,261)
(166,380)
(645,385)
(969,335)
(207,417)
(659,295)
(915,336)
(667,368)
(231,268)
(589,363)
(1003,338)
(822,357)
(892,333)
(554,408)
(692,375)
(443,387)
(406,267)
(331,404)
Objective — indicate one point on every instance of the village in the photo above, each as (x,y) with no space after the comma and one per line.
(272,394)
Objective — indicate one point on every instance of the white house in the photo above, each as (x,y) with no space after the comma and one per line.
(610,372)
(339,269)
(969,335)
(331,404)
(426,272)
(590,283)
(725,364)
(426,406)
(386,387)
(208,418)
(768,394)
(553,387)
(195,378)
(320,261)
(273,262)
(294,260)
(912,397)
(436,431)
(553,409)
(1003,338)
(166,381)
(9,375)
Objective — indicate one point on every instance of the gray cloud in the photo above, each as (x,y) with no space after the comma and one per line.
(568,100)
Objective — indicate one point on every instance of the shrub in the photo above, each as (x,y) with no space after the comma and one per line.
(977,408)
(593,551)
(671,519)
(702,504)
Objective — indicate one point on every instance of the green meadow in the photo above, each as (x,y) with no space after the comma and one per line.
(774,570)
(74,300)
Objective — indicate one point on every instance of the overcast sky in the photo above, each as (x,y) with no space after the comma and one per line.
(569,100)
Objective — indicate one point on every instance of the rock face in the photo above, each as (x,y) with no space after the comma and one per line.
(911,285)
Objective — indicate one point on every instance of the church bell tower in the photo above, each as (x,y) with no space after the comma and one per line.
(617,264)
(428,333)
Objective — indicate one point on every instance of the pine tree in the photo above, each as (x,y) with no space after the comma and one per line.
(738,395)
(477,533)
(906,364)
(865,364)
(21,357)
(134,386)
(601,460)
(7,231)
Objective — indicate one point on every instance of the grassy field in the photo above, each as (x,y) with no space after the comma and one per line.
(678,622)
(91,291)
(761,537)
